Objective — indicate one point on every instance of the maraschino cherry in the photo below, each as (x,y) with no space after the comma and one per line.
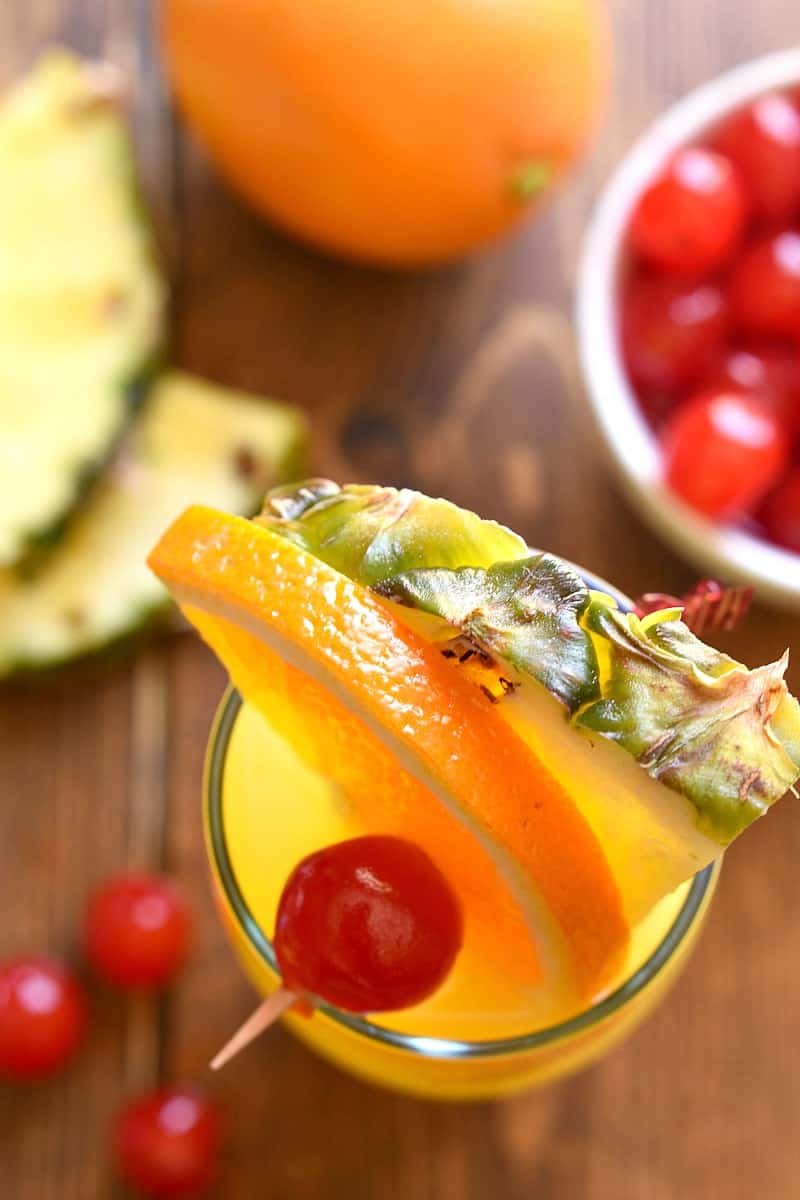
(137,930)
(43,1016)
(368,925)
(166,1143)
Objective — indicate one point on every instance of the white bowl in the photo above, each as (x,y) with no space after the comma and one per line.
(729,553)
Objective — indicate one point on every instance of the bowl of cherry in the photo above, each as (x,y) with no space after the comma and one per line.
(688,316)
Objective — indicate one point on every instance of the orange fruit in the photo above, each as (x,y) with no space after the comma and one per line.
(415,748)
(393,133)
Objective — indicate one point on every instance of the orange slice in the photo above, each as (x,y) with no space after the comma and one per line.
(415,748)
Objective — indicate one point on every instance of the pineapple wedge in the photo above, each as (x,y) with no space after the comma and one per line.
(81,298)
(669,748)
(193,440)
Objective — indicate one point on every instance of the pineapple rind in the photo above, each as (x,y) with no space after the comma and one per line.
(697,720)
(373,533)
(526,612)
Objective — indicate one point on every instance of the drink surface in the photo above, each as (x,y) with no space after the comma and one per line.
(276,811)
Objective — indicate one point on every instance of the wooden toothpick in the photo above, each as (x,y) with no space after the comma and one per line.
(265,1015)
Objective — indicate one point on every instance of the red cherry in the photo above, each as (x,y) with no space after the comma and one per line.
(137,930)
(765,286)
(166,1143)
(655,406)
(691,218)
(670,331)
(773,372)
(763,140)
(43,1016)
(368,925)
(723,452)
(780,515)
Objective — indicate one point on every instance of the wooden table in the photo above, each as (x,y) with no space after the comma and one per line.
(103,770)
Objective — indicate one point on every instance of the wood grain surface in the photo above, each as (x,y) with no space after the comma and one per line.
(461,381)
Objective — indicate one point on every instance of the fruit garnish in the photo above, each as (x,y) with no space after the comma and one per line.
(763,140)
(546,824)
(707,607)
(723,451)
(137,930)
(695,719)
(417,749)
(367,925)
(166,1143)
(43,1016)
(762,693)
(653,671)
(690,219)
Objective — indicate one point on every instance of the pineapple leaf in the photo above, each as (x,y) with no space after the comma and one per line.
(725,737)
(372,533)
(526,612)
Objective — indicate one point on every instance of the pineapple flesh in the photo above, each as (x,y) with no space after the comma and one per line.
(193,441)
(81,298)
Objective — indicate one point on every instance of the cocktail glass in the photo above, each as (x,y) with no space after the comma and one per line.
(434,1067)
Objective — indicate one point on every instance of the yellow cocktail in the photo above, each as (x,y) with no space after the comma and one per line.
(265,810)
(573,771)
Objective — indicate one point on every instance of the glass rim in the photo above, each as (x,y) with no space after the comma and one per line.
(423,1045)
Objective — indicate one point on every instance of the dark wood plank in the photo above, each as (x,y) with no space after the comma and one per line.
(63,818)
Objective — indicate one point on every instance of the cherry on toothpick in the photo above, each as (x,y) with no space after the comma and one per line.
(267,1013)
(367,925)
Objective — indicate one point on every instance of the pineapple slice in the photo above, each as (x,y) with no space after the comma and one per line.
(667,747)
(81,298)
(193,440)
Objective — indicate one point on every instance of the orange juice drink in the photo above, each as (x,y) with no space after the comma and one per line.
(265,810)
(572,770)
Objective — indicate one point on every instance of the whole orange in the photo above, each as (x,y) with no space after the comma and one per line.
(393,131)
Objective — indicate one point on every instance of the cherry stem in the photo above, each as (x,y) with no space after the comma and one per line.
(265,1015)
